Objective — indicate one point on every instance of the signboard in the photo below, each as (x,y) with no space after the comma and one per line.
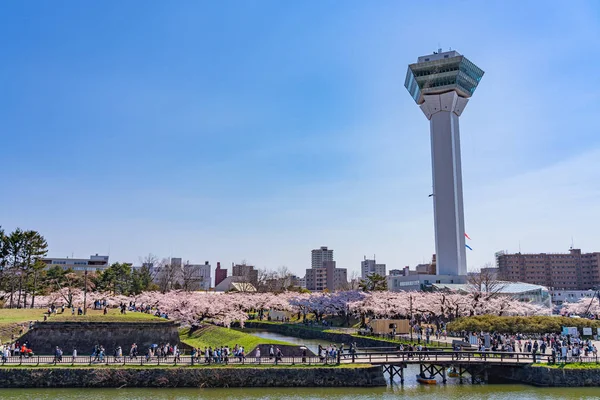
(587,331)
(570,330)
(486,340)
(474,340)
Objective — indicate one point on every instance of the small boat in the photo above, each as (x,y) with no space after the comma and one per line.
(426,381)
(452,373)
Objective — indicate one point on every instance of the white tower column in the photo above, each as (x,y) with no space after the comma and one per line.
(443,110)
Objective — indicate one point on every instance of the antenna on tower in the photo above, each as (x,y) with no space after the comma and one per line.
(519,246)
(571,243)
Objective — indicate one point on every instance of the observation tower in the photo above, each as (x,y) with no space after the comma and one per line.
(441,84)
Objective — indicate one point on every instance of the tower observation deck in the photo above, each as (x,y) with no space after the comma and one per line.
(441,84)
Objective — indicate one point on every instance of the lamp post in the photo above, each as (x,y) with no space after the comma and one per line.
(85,292)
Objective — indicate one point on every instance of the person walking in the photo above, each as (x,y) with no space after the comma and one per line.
(258,355)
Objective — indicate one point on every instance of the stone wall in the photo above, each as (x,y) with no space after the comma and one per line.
(544,376)
(83,336)
(190,377)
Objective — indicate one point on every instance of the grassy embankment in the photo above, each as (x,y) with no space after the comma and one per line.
(12,320)
(215,336)
(590,365)
(532,324)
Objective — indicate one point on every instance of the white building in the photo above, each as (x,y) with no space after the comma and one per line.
(92,264)
(369,267)
(319,256)
(397,283)
(197,276)
(570,296)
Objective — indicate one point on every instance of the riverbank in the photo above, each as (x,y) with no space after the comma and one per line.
(327,335)
(216,336)
(200,377)
(569,375)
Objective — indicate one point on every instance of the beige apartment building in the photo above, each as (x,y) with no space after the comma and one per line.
(327,276)
(565,271)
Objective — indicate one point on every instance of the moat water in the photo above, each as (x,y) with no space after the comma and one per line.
(409,391)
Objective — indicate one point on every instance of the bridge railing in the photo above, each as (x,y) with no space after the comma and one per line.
(47,360)
(382,357)
(371,357)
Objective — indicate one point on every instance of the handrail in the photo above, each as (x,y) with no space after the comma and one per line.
(371,357)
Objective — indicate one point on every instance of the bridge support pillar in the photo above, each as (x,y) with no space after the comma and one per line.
(395,370)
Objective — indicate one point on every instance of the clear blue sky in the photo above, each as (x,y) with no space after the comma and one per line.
(235,130)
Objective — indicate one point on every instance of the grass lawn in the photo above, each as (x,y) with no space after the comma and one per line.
(592,365)
(216,336)
(12,319)
(114,315)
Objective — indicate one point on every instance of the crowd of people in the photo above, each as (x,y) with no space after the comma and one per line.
(15,349)
(552,347)
(223,354)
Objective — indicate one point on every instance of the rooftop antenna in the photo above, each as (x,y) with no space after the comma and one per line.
(571,243)
(519,246)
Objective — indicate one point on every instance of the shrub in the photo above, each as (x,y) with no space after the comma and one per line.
(535,324)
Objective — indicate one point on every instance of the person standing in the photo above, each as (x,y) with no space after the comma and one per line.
(258,355)
(74,355)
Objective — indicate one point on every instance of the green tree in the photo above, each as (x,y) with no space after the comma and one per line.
(374,283)
(34,248)
(65,281)
(15,243)
(141,280)
(116,278)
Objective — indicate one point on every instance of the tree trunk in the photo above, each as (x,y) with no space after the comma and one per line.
(12,291)
(35,275)
(20,288)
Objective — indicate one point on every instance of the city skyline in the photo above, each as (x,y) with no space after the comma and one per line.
(217,134)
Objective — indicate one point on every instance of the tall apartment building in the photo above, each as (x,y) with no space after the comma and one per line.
(369,267)
(245,273)
(565,271)
(327,277)
(220,274)
(92,264)
(319,256)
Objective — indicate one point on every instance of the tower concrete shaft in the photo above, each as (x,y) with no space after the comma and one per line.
(443,111)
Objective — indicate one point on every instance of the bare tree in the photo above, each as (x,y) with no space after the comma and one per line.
(285,277)
(355,278)
(485,280)
(168,275)
(484,285)
(190,277)
(151,261)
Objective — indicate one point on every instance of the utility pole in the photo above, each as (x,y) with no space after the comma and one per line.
(85,293)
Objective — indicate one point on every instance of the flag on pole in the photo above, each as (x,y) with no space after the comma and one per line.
(467,236)
(469,247)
